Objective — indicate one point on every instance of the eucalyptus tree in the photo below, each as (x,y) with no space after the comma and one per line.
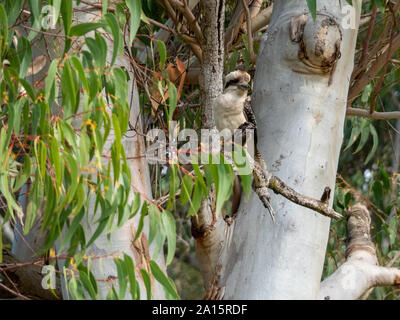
(87,89)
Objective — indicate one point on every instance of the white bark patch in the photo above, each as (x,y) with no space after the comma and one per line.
(360,272)
(302,120)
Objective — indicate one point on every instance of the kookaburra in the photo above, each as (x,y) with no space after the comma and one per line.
(232,110)
(229,106)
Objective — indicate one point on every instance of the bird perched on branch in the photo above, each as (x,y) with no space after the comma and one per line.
(232,110)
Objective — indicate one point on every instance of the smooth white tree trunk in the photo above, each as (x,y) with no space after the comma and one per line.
(121,240)
(300,127)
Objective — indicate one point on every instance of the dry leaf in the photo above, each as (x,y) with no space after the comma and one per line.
(177,75)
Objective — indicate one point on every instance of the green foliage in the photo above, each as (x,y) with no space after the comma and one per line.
(378,186)
(63,162)
(56,140)
(135,8)
(312,5)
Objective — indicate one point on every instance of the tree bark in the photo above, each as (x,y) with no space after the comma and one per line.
(360,273)
(208,229)
(300,94)
(121,240)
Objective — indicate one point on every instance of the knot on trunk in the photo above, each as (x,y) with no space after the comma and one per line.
(319,42)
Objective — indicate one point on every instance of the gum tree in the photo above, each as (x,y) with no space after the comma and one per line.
(83,82)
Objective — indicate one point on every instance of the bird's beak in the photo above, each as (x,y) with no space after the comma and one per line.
(244,86)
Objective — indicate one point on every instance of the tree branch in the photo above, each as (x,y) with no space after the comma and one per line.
(27,279)
(369,35)
(190,18)
(249,32)
(364,77)
(355,278)
(383,73)
(261,20)
(279,187)
(375,115)
(171,13)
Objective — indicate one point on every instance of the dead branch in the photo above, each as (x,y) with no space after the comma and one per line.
(279,187)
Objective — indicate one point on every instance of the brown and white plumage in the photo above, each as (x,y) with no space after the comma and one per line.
(233,110)
(228,107)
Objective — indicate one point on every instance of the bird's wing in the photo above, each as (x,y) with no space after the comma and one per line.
(248,111)
(259,185)
(250,117)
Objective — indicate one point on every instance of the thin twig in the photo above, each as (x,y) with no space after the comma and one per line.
(369,35)
(193,46)
(14,292)
(383,73)
(160,25)
(374,115)
(363,77)
(249,33)
(190,18)
(395,258)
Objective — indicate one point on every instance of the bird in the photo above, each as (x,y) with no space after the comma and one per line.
(233,110)
(228,106)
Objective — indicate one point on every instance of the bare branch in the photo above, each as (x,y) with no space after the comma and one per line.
(171,13)
(375,115)
(255,7)
(261,20)
(383,73)
(387,51)
(249,33)
(279,187)
(369,35)
(190,18)
(27,279)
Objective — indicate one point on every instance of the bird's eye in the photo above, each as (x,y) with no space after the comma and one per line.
(231,82)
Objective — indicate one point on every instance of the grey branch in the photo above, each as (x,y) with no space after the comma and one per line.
(279,187)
